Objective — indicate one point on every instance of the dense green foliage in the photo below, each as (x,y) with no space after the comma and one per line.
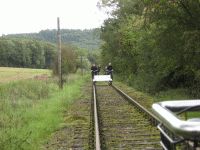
(19,52)
(31,110)
(154,45)
(35,51)
(87,39)
(69,60)
(26,53)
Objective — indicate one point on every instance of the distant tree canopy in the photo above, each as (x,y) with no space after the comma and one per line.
(87,39)
(26,53)
(154,44)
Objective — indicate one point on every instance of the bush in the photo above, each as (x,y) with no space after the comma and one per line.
(69,60)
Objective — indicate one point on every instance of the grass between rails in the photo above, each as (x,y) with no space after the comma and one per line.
(31,110)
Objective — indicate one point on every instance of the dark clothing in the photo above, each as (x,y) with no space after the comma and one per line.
(110,68)
(94,70)
(109,71)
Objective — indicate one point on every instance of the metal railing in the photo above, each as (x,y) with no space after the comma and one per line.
(172,128)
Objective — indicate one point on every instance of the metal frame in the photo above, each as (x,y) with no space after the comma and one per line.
(100,78)
(167,112)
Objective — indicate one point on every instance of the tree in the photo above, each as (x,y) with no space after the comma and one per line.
(156,41)
(69,60)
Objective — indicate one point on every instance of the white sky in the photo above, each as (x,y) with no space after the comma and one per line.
(25,16)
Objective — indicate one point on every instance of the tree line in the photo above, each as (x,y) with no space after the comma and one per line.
(154,44)
(26,53)
(31,53)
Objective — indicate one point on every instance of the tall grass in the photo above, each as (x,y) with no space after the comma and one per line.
(9,74)
(31,110)
(172,94)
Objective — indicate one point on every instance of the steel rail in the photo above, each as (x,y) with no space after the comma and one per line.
(97,136)
(108,126)
(153,118)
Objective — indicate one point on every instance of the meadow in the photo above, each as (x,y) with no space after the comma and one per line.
(8,74)
(31,109)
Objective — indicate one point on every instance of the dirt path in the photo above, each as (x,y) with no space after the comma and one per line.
(75,131)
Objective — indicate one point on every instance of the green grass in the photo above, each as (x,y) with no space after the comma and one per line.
(31,110)
(177,94)
(168,95)
(9,74)
(172,94)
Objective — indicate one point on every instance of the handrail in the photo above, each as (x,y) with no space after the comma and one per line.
(187,129)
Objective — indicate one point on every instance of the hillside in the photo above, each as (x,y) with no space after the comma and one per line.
(86,39)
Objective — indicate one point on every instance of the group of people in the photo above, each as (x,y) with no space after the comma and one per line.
(95,70)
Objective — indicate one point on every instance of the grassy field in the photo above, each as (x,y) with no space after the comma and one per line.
(31,110)
(8,74)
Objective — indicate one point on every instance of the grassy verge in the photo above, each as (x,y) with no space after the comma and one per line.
(144,99)
(168,95)
(31,110)
(172,94)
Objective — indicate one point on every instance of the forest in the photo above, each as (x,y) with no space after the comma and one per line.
(38,50)
(26,53)
(86,39)
(154,45)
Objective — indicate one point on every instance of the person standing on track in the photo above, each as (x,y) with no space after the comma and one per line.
(94,70)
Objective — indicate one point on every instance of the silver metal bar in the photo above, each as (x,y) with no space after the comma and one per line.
(97,136)
(185,129)
(163,146)
(165,134)
(176,106)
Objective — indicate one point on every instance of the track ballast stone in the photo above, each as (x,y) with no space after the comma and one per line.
(121,125)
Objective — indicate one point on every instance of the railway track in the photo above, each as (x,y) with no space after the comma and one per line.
(121,124)
(115,122)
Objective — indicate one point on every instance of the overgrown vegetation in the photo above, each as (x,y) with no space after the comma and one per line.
(154,45)
(30,110)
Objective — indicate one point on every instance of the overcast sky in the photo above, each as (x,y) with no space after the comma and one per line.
(25,16)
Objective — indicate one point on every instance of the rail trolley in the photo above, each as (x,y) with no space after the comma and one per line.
(176,129)
(102,78)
